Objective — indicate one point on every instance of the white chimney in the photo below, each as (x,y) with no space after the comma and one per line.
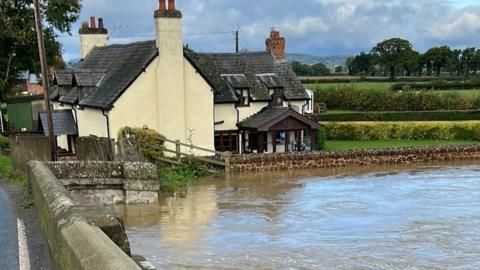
(92,36)
(170,71)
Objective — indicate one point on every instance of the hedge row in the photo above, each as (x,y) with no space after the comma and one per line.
(364,131)
(348,98)
(399,116)
(340,79)
(437,85)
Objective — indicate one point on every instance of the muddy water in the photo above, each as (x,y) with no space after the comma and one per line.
(423,217)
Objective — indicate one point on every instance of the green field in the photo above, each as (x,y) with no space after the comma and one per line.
(361,145)
(382,86)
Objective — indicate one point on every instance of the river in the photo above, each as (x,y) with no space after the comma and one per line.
(416,217)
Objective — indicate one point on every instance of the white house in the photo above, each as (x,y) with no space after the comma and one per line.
(213,100)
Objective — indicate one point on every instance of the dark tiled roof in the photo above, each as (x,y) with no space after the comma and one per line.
(222,71)
(262,117)
(63,77)
(102,77)
(268,116)
(63,123)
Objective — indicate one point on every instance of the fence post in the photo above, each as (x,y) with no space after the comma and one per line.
(178,151)
(227,156)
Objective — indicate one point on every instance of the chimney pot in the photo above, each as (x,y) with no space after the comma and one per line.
(92,22)
(84,27)
(163,5)
(171,5)
(100,23)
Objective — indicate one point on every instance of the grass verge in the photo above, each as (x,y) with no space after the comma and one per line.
(9,176)
(362,145)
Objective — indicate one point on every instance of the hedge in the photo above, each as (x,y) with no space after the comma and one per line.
(4,142)
(365,131)
(437,85)
(346,79)
(150,142)
(399,116)
(349,98)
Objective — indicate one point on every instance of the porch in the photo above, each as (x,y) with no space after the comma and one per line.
(277,130)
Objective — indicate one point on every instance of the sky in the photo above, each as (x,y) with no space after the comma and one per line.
(316,27)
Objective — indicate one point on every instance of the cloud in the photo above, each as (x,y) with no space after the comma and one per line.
(464,26)
(320,27)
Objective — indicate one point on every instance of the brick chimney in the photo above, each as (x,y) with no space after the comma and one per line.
(276,45)
(92,36)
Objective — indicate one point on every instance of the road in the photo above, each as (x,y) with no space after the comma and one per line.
(8,233)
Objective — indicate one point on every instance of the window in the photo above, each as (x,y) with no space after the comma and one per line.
(243,96)
(226,141)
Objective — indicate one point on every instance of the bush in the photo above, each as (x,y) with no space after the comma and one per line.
(365,131)
(321,138)
(348,98)
(175,179)
(437,85)
(150,142)
(400,116)
(4,142)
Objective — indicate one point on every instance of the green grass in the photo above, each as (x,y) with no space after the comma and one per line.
(374,86)
(382,86)
(362,145)
(9,176)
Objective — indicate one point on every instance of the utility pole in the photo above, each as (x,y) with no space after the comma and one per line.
(237,42)
(43,64)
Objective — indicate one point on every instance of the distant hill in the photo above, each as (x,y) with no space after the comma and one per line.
(331,61)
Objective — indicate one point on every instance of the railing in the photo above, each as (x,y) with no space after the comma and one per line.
(217,158)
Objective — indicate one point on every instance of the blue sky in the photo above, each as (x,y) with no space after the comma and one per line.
(318,27)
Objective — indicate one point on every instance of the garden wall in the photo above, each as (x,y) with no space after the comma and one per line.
(312,160)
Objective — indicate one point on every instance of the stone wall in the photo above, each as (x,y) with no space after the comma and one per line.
(26,147)
(80,237)
(312,160)
(108,182)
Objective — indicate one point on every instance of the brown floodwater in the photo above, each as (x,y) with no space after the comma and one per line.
(415,217)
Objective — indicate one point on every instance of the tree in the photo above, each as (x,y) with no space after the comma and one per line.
(361,64)
(439,57)
(393,54)
(467,61)
(318,69)
(339,69)
(18,43)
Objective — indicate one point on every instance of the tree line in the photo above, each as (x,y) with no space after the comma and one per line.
(396,56)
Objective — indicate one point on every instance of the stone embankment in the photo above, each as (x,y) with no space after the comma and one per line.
(313,160)
(80,236)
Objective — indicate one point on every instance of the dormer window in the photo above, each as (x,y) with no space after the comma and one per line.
(277,96)
(243,97)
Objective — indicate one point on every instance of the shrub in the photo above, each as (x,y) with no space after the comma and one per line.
(321,138)
(364,131)
(400,116)
(348,98)
(437,85)
(4,142)
(150,143)
(175,179)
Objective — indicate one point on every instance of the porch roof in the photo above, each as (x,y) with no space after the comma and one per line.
(63,123)
(270,116)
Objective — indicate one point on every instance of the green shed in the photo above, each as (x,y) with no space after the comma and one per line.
(22,113)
